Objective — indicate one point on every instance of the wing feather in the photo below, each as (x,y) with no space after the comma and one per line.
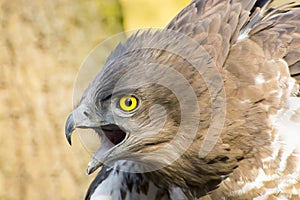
(279,34)
(220,23)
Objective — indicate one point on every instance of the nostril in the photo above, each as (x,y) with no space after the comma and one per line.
(86,114)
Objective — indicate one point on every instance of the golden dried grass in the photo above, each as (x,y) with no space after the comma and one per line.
(42,46)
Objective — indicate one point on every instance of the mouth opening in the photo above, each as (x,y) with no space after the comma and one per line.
(113,133)
(111,136)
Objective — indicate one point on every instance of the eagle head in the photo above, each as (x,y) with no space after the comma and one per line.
(153,103)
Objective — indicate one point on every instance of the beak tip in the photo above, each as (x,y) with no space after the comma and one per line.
(69,141)
(93,166)
(88,171)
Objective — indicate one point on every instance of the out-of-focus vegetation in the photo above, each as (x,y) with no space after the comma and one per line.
(42,44)
(146,13)
(156,13)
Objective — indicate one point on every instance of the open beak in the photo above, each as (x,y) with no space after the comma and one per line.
(94,164)
(110,136)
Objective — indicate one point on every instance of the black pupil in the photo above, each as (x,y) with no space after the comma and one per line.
(128,102)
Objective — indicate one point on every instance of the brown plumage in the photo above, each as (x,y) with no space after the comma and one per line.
(216,112)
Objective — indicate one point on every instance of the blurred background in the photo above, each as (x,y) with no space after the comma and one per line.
(42,45)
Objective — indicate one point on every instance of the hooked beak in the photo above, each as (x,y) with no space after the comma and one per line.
(81,117)
(69,128)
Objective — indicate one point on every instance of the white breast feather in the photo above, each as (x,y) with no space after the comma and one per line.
(286,124)
(110,188)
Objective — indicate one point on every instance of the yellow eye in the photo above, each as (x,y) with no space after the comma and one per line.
(128,103)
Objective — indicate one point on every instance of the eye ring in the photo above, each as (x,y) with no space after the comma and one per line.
(128,103)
